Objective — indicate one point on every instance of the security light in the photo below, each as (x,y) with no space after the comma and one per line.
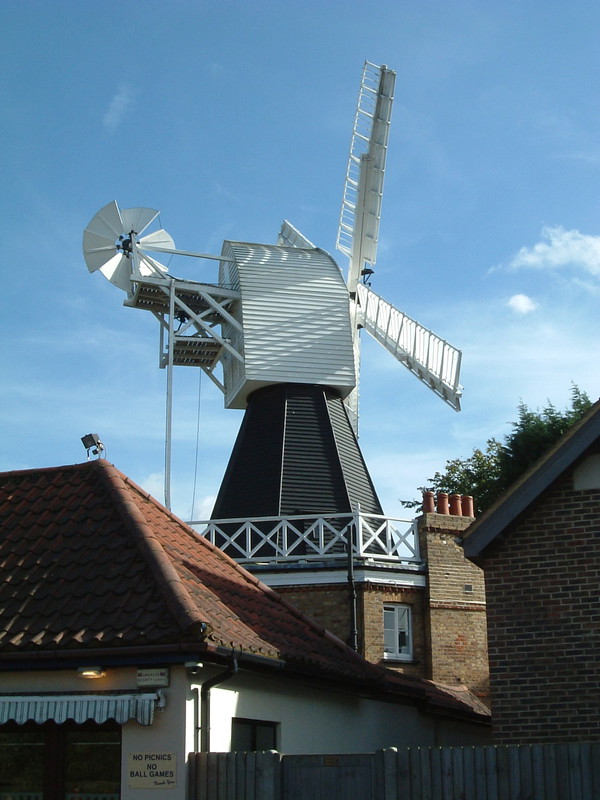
(91,442)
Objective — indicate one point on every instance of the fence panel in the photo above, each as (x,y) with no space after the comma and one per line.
(527,772)
(333,777)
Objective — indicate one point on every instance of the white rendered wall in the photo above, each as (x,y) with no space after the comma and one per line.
(311,720)
(165,735)
(318,721)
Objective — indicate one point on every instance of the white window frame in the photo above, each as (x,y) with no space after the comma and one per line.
(400,631)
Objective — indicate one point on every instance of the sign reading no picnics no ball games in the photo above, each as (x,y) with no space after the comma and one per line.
(152,770)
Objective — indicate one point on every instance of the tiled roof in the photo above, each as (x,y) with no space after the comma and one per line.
(89,561)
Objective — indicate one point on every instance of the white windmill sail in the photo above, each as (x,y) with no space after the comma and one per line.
(429,357)
(360,214)
(361,202)
(432,359)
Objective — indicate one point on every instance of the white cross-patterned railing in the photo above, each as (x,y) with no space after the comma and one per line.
(312,538)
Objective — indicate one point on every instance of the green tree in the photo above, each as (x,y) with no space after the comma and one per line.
(486,474)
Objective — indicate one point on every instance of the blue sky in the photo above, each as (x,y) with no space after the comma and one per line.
(231,116)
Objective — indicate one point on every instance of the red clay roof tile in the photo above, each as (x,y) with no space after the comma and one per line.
(89,560)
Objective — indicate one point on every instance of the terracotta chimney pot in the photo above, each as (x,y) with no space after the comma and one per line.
(455,505)
(468,507)
(428,502)
(442,503)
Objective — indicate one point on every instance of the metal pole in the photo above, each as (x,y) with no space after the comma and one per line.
(169,400)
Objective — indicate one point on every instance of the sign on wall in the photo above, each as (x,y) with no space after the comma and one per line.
(152,770)
(153,677)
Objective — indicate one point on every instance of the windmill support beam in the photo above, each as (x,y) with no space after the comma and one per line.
(205,326)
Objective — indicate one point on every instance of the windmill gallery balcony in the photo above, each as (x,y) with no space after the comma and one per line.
(310,539)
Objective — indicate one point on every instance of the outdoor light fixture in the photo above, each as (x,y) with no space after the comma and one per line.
(92,443)
(366,275)
(91,672)
(193,667)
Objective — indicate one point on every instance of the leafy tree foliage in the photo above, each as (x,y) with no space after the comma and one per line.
(486,474)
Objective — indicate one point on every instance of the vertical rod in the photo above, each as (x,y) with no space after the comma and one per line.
(351,583)
(169,400)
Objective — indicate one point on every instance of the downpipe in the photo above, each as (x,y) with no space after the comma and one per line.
(217,680)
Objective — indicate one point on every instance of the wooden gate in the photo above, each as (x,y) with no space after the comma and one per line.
(343,777)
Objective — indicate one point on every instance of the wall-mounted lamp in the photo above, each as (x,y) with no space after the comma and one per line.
(91,672)
(366,275)
(92,443)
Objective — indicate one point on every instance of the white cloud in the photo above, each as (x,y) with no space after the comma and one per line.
(522,304)
(560,248)
(118,107)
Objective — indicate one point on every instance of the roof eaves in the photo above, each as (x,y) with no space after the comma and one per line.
(528,488)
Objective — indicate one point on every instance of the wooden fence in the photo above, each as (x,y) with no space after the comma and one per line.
(520,772)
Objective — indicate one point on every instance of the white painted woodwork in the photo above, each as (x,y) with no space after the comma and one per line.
(315,538)
(294,311)
(432,359)
(363,189)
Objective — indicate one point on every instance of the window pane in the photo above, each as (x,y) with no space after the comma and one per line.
(241,735)
(21,763)
(265,737)
(93,763)
(396,632)
(253,734)
(389,618)
(389,641)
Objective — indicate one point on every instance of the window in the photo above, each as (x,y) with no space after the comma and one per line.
(56,761)
(253,734)
(397,633)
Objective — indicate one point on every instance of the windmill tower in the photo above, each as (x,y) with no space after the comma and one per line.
(297,451)
(283,324)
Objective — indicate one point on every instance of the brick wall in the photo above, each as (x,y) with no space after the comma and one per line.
(455,618)
(328,605)
(542,583)
(448,615)
(373,598)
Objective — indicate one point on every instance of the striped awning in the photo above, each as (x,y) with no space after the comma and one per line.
(79,707)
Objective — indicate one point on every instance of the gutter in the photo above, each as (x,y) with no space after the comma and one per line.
(128,656)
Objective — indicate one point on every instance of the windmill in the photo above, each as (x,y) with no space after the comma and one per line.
(283,324)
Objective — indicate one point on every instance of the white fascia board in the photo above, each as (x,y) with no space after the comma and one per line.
(321,578)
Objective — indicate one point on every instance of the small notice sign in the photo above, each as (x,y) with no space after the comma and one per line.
(152,770)
(153,678)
